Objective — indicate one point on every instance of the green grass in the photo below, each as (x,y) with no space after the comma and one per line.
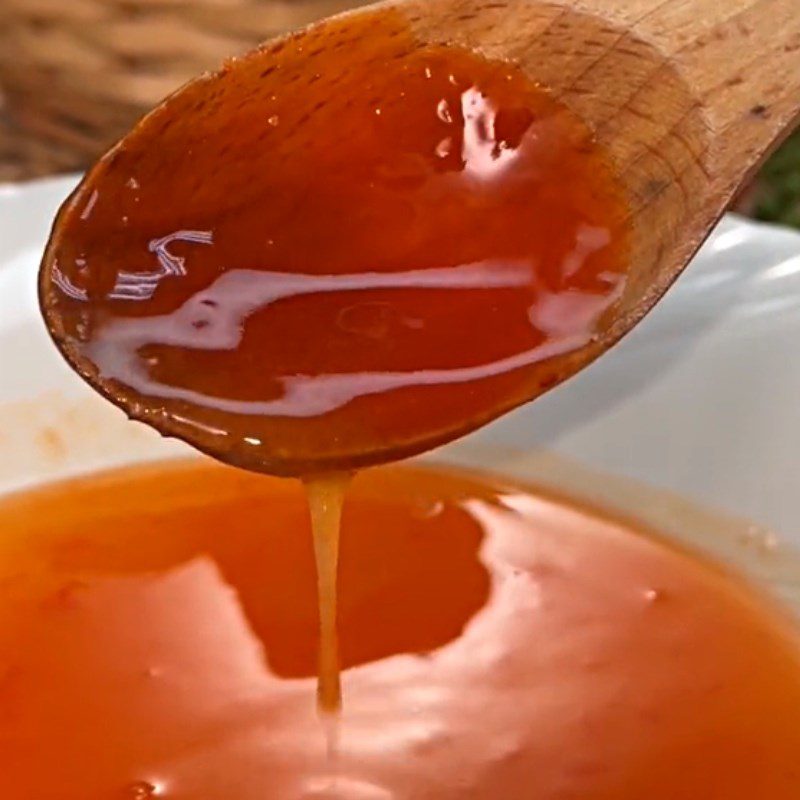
(777,197)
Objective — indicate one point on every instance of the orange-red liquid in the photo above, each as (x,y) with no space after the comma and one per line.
(325,500)
(158,638)
(340,250)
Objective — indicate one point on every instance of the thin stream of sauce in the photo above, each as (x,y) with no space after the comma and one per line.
(325,500)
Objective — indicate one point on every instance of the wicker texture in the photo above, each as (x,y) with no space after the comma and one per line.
(77,73)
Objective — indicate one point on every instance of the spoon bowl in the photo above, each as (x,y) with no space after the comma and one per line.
(661,112)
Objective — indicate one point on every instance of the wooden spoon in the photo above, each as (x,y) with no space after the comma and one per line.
(683,98)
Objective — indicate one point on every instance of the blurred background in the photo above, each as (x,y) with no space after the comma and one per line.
(76,74)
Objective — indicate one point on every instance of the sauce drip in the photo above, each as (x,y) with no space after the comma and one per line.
(340,250)
(158,639)
(325,500)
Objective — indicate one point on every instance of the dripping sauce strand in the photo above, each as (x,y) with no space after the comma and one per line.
(325,496)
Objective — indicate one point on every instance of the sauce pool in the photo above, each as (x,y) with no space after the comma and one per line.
(159,631)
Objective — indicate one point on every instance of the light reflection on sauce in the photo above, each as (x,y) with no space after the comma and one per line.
(214,320)
(158,628)
(327,256)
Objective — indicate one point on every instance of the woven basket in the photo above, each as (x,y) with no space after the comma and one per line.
(76,74)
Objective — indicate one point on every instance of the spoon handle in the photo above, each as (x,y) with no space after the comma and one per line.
(741,61)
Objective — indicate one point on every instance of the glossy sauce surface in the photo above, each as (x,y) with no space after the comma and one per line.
(158,638)
(341,250)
